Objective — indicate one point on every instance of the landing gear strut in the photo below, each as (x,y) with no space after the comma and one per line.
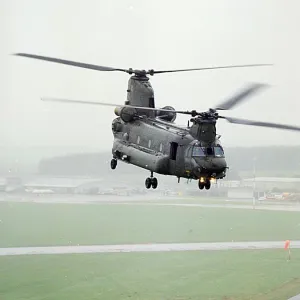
(204,184)
(151,181)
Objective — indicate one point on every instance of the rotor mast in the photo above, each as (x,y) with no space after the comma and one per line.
(140,93)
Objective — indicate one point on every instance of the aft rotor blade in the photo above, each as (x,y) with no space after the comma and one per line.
(114,105)
(71,63)
(208,68)
(78,101)
(260,124)
(241,96)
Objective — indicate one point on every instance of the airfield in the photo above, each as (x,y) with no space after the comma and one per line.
(117,247)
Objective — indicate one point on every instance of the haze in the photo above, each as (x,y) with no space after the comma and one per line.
(145,34)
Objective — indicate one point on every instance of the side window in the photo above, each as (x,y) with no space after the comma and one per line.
(161,147)
(151,102)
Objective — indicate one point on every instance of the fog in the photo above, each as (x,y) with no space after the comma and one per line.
(139,34)
(57,157)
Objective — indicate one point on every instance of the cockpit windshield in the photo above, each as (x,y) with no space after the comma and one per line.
(207,151)
(198,151)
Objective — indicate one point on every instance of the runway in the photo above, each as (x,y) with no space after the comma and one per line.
(258,245)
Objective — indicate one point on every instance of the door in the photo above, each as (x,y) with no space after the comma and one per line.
(176,159)
(173,151)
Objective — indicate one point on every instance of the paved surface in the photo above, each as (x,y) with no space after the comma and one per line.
(147,248)
(295,298)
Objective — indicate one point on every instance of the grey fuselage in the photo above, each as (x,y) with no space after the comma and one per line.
(163,148)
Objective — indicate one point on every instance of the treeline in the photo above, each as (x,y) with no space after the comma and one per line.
(90,164)
(269,161)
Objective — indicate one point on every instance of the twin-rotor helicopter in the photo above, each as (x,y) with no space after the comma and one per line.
(147,137)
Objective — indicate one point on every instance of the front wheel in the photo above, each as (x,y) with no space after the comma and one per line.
(148,183)
(207,184)
(201,185)
(154,183)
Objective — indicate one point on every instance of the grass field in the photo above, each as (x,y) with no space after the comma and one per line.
(201,275)
(29,224)
(238,275)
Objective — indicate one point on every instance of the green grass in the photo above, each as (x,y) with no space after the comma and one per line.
(29,224)
(216,275)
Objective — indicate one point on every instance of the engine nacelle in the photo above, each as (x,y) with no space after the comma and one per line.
(167,116)
(126,113)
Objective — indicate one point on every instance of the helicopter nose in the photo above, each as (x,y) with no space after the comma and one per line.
(217,164)
(213,164)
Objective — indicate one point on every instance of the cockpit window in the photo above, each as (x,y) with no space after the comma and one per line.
(219,151)
(198,151)
(210,151)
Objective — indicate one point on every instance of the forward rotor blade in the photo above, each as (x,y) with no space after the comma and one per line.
(71,63)
(260,124)
(241,96)
(209,68)
(112,104)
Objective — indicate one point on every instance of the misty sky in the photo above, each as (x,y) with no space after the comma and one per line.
(145,34)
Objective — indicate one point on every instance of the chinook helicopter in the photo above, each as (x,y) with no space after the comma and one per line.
(147,137)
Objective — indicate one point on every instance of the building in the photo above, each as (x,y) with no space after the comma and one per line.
(270,183)
(63,185)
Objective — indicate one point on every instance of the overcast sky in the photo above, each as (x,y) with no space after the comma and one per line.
(155,34)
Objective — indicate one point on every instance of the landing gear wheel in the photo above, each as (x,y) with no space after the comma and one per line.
(207,184)
(154,182)
(201,185)
(148,183)
(113,163)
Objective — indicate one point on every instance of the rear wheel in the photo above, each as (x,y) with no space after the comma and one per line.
(113,163)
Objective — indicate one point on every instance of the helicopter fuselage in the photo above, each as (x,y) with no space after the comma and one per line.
(163,148)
